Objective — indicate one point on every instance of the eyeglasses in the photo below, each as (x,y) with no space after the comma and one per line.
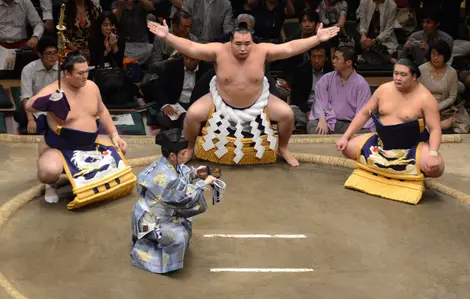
(50,54)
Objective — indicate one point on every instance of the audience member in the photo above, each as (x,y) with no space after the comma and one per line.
(449,11)
(419,42)
(441,80)
(339,96)
(106,46)
(211,18)
(132,19)
(377,28)
(305,79)
(333,13)
(35,76)
(80,17)
(14,17)
(308,21)
(47,17)
(180,26)
(175,84)
(270,16)
(248,19)
(308,26)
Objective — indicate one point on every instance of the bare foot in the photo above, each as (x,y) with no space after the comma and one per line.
(288,157)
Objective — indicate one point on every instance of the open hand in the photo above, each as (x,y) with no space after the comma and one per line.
(169,111)
(118,142)
(325,34)
(322,127)
(160,31)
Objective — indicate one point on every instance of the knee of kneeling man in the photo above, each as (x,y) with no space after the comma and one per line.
(48,177)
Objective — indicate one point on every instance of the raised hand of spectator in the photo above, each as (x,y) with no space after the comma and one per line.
(160,31)
(32,42)
(409,44)
(424,45)
(325,34)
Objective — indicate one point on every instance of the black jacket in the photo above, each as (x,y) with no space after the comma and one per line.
(302,84)
(169,85)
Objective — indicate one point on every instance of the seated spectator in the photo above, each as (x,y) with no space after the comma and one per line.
(419,42)
(175,83)
(210,18)
(270,16)
(305,79)
(180,26)
(378,40)
(339,96)
(80,17)
(308,26)
(441,80)
(333,13)
(132,19)
(249,20)
(35,76)
(308,21)
(106,46)
(14,17)
(46,15)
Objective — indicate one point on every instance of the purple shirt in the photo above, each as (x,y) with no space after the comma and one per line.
(335,101)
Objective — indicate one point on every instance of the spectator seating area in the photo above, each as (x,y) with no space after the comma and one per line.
(133,116)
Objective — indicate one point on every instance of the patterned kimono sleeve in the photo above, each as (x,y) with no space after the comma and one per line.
(185,198)
(159,182)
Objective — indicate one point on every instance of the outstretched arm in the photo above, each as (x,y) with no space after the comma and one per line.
(299,46)
(207,52)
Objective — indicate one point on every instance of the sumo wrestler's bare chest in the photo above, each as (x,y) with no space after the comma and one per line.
(403,109)
(82,106)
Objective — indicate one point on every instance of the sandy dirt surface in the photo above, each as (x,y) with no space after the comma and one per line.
(358,246)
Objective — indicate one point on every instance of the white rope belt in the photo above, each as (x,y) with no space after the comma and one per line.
(243,119)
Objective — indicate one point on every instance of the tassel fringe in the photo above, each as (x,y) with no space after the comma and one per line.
(367,182)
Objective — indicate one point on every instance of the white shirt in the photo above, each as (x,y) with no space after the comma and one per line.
(188,85)
(13,20)
(35,77)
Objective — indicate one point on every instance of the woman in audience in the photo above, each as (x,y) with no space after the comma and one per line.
(80,16)
(106,46)
(441,80)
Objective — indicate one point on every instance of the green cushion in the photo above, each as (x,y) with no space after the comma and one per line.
(3,123)
(5,102)
(16,94)
(137,129)
(152,116)
(127,105)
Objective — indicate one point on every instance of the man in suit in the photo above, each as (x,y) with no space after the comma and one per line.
(305,78)
(175,83)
